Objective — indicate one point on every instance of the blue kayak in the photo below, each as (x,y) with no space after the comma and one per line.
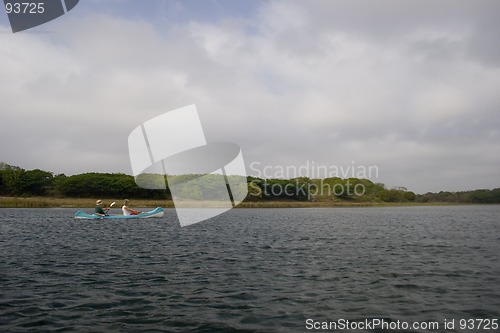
(157,212)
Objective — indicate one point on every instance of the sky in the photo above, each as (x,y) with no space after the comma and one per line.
(408,88)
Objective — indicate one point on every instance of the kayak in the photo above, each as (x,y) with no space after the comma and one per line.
(157,212)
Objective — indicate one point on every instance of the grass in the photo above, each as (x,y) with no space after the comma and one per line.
(41,202)
(332,204)
(47,202)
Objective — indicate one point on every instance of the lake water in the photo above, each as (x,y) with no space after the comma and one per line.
(251,270)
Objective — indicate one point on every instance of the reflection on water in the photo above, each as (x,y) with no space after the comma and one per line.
(248,270)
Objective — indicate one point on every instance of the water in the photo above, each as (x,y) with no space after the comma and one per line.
(249,270)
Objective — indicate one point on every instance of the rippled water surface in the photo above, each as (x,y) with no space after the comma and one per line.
(249,270)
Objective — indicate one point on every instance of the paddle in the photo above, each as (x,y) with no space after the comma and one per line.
(112,204)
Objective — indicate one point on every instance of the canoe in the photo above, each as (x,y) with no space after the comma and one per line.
(157,212)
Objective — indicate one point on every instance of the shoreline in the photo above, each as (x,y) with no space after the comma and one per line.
(53,202)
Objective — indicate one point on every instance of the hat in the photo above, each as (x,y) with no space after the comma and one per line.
(98,202)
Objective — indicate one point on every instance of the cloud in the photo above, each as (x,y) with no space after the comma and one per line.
(410,87)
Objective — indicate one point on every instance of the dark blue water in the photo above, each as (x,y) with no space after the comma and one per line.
(249,270)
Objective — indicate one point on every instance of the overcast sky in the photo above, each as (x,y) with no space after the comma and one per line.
(411,87)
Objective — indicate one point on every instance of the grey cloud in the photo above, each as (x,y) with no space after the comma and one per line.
(410,86)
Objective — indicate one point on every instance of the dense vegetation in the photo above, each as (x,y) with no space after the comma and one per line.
(476,196)
(15,181)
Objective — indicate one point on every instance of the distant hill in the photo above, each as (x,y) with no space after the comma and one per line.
(15,181)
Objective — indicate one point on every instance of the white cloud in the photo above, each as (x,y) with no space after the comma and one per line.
(317,80)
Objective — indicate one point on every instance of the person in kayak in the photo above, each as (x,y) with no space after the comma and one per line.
(126,210)
(99,210)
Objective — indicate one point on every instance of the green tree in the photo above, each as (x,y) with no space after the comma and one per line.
(104,185)
(35,182)
(11,179)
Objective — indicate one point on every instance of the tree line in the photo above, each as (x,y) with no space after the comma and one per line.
(15,181)
(476,196)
